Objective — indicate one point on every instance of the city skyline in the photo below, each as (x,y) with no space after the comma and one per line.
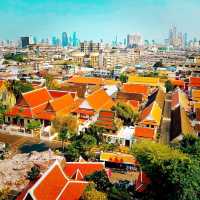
(99,19)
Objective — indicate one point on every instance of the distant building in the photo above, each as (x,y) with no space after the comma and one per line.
(64,39)
(134,40)
(25,41)
(88,47)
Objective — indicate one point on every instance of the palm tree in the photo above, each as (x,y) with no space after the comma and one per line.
(63,136)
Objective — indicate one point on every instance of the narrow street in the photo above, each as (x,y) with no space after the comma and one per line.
(16,142)
(166,121)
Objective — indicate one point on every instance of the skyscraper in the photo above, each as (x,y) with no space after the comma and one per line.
(54,41)
(64,39)
(24,42)
(185,40)
(74,39)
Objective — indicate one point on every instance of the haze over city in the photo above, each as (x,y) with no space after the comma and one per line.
(98,19)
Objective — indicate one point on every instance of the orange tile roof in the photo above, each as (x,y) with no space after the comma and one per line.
(62,102)
(85,80)
(194,82)
(142,181)
(84,111)
(59,93)
(134,104)
(144,132)
(37,97)
(50,185)
(175,82)
(135,88)
(175,99)
(85,168)
(73,191)
(146,111)
(55,185)
(117,158)
(100,100)
(1,83)
(23,112)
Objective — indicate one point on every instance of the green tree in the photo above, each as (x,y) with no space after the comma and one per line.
(123,78)
(63,136)
(51,83)
(33,173)
(4,193)
(172,173)
(96,132)
(33,125)
(158,64)
(68,121)
(100,180)
(71,153)
(94,194)
(19,87)
(168,85)
(125,113)
(190,145)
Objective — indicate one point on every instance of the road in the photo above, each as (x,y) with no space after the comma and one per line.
(16,141)
(166,121)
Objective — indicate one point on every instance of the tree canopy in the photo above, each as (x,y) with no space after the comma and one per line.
(125,113)
(172,172)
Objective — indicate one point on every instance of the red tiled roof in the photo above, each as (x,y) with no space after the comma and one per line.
(73,190)
(62,102)
(85,80)
(51,185)
(23,112)
(85,168)
(175,99)
(194,82)
(58,93)
(143,132)
(175,82)
(84,111)
(142,182)
(55,185)
(135,88)
(37,97)
(100,100)
(1,83)
(134,103)
(146,111)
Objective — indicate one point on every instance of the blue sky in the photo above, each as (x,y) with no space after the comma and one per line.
(96,19)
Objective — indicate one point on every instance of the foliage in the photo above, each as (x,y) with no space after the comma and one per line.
(168,85)
(191,145)
(85,143)
(4,193)
(33,173)
(118,123)
(94,194)
(68,121)
(158,64)
(123,78)
(19,87)
(15,57)
(150,74)
(34,124)
(2,112)
(51,83)
(125,113)
(172,173)
(100,180)
(71,153)
(96,132)
(63,136)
